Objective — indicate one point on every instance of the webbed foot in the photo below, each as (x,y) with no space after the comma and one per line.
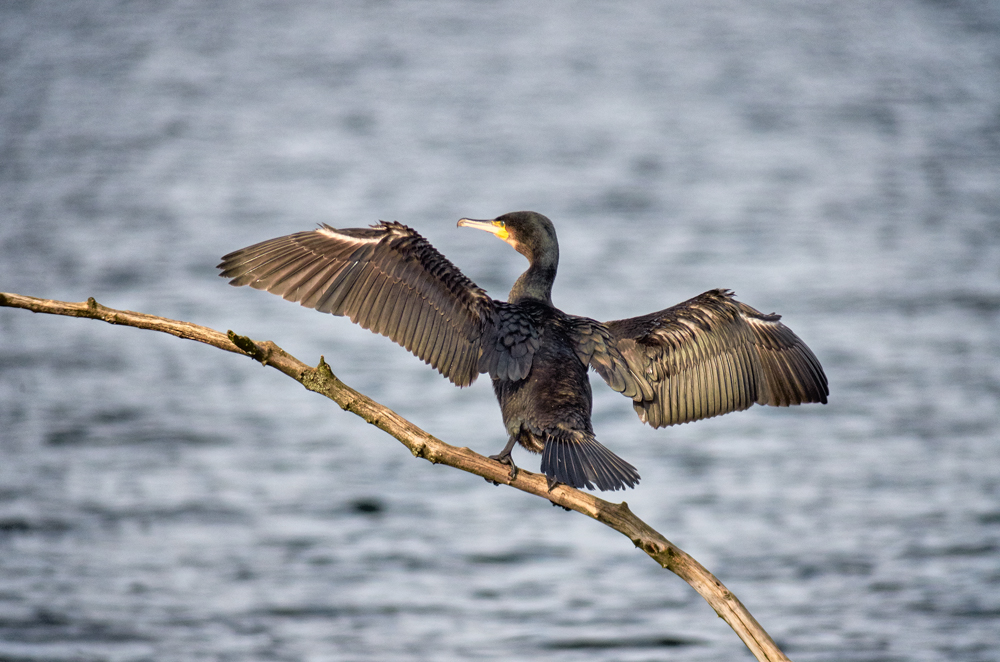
(503,457)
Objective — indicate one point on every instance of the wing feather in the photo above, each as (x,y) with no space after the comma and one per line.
(596,347)
(712,355)
(386,278)
(408,320)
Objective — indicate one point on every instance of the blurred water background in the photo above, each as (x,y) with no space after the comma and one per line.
(838,162)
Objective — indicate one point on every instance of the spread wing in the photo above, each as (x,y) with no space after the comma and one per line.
(598,348)
(388,279)
(712,355)
(508,353)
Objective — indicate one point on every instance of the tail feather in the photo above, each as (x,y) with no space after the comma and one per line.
(577,459)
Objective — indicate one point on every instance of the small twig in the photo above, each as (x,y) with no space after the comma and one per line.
(322,380)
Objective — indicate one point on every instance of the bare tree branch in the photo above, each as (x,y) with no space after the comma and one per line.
(322,380)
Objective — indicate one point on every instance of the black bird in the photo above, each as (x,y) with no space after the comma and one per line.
(704,357)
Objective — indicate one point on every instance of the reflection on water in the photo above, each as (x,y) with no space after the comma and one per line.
(835,162)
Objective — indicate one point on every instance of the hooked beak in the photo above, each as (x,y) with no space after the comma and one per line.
(489,226)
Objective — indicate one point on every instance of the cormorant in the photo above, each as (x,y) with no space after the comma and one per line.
(704,357)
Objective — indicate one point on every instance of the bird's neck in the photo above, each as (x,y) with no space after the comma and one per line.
(535,284)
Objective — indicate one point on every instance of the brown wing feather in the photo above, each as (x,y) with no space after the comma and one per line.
(712,355)
(596,347)
(386,278)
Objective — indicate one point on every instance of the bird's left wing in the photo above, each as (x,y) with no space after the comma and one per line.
(712,355)
(387,278)
(510,344)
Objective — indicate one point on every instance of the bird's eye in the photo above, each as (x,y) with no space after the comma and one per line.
(499,224)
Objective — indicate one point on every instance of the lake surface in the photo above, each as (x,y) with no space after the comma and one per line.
(838,162)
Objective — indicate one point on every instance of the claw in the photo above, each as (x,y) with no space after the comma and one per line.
(503,457)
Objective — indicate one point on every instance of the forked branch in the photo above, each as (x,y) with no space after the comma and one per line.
(322,380)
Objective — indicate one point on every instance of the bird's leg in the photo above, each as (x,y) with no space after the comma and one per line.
(552,484)
(503,457)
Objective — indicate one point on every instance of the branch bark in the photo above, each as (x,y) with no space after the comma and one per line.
(322,380)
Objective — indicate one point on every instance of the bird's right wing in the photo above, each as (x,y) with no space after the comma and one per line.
(712,355)
(597,347)
(386,278)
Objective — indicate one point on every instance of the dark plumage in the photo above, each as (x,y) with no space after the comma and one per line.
(707,356)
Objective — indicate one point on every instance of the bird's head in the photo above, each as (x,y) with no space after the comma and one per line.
(530,233)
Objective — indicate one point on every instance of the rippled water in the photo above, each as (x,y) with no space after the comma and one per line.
(836,162)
